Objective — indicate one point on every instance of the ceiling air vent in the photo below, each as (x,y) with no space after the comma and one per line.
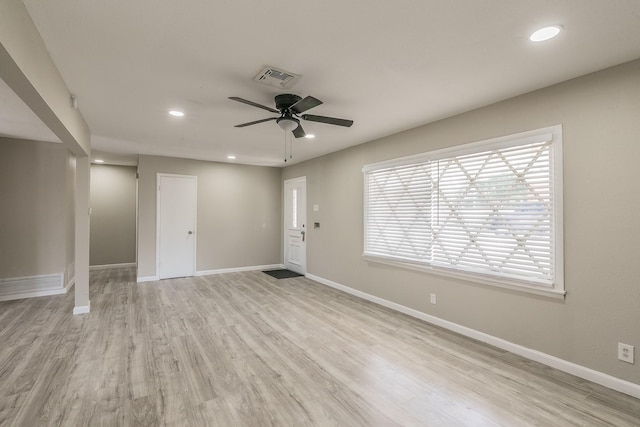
(277,78)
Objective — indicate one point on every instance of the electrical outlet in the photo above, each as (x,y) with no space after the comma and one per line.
(433,298)
(625,352)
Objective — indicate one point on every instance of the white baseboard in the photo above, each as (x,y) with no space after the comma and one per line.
(147,279)
(218,271)
(597,377)
(104,266)
(31,286)
(239,269)
(82,309)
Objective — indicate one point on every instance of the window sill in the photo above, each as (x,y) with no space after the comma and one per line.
(477,279)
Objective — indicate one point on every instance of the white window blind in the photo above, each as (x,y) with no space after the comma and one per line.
(490,209)
(398,212)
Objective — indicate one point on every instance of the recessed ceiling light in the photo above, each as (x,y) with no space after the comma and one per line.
(99,161)
(309,136)
(231,157)
(176,113)
(545,33)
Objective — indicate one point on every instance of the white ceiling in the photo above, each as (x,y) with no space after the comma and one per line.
(389,66)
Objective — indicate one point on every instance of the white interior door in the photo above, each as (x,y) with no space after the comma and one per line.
(295,218)
(176,225)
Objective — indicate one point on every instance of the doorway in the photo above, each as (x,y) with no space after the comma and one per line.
(176,225)
(295,218)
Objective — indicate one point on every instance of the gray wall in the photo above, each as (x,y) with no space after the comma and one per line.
(600,114)
(36,219)
(238,213)
(113,215)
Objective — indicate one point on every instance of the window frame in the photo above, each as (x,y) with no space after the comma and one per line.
(554,133)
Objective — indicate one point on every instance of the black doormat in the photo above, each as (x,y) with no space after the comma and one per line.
(282,274)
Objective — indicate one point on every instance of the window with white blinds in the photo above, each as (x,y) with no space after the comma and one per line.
(490,209)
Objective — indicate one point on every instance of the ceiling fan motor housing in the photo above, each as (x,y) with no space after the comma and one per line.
(285,101)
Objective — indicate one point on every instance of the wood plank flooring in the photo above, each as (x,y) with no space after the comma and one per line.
(245,349)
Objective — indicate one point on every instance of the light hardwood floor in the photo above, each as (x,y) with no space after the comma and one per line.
(244,349)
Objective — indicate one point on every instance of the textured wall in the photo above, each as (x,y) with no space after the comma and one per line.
(239,210)
(113,215)
(600,114)
(35,208)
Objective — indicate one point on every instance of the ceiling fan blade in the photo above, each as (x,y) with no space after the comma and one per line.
(328,120)
(305,104)
(254,104)
(255,123)
(299,132)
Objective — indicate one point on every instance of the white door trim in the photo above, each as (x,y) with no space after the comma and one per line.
(285,255)
(195,219)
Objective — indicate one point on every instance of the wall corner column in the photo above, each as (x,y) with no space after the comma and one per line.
(82,303)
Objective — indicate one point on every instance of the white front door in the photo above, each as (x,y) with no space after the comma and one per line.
(295,218)
(176,225)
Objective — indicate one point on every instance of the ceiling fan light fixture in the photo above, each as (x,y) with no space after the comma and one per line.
(288,124)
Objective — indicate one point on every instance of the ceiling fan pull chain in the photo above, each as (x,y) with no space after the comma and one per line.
(285,147)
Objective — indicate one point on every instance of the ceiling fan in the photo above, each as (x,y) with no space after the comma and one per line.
(290,108)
